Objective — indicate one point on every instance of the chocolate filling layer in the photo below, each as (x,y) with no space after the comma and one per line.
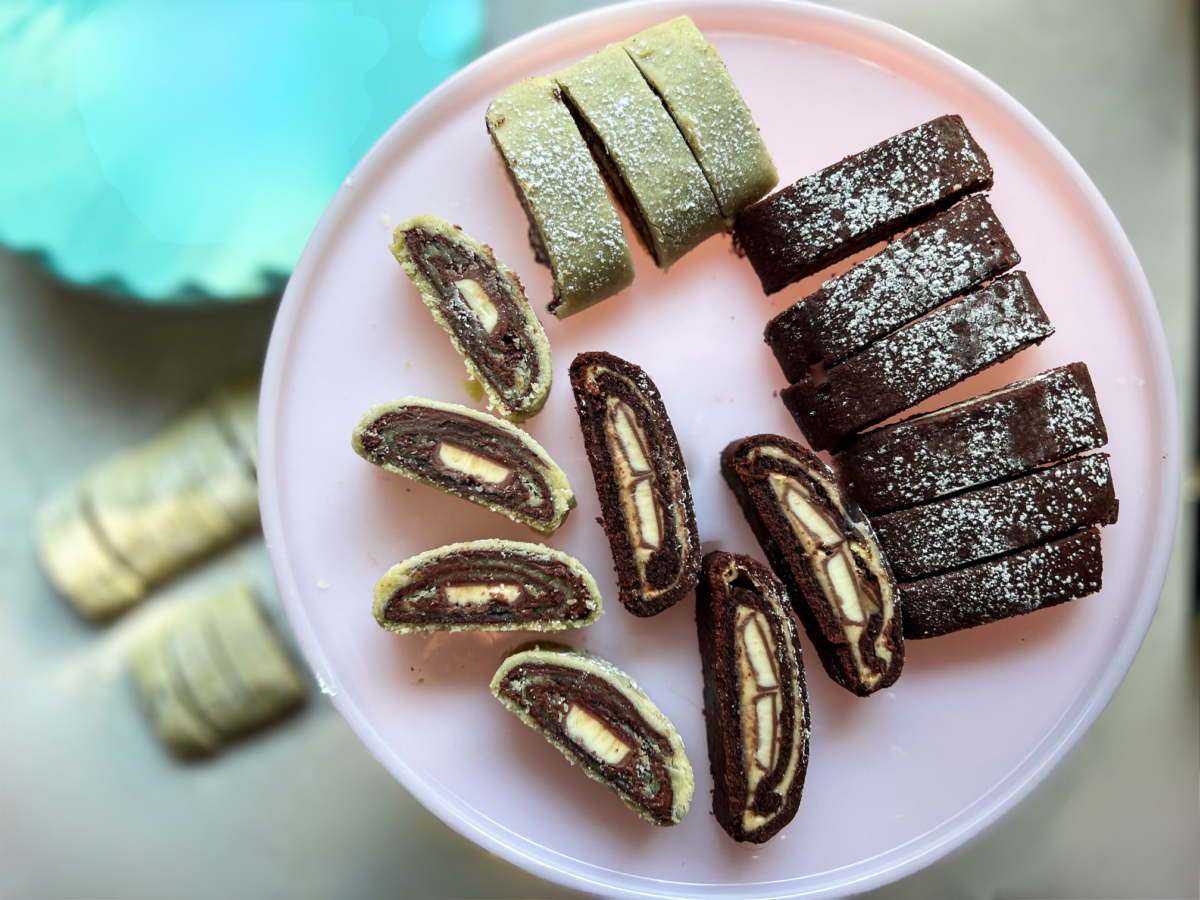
(420,439)
(551,693)
(452,590)
(505,354)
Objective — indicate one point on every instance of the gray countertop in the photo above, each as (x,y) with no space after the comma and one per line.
(90,806)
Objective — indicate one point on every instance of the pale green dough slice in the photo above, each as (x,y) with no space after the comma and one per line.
(686,71)
(211,682)
(645,158)
(573,225)
(255,654)
(176,723)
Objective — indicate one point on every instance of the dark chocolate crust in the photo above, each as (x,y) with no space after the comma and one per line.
(600,380)
(951,254)
(859,201)
(1033,579)
(994,520)
(880,646)
(728,583)
(973,443)
(915,363)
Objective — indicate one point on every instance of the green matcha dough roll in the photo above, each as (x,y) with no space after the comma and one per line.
(687,73)
(573,226)
(647,162)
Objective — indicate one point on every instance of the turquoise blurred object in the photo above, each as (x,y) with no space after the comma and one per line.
(183,151)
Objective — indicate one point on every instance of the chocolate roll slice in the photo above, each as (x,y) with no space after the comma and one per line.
(490,585)
(968,527)
(600,720)
(642,154)
(1042,576)
(969,444)
(468,454)
(755,700)
(573,226)
(865,198)
(826,554)
(911,365)
(482,306)
(641,480)
(688,75)
(953,253)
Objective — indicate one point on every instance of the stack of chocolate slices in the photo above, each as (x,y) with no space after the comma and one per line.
(983,508)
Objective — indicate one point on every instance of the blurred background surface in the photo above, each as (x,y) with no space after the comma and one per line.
(90,805)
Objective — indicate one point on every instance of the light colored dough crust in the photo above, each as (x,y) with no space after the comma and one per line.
(686,71)
(535,396)
(562,191)
(560,488)
(650,155)
(401,575)
(212,670)
(678,766)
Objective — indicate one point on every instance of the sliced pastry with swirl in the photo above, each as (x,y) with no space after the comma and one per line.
(483,307)
(468,454)
(490,585)
(641,480)
(601,721)
(826,554)
(755,700)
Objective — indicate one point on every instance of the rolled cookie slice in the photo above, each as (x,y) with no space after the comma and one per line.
(686,71)
(573,226)
(755,700)
(865,198)
(1036,578)
(482,306)
(468,454)
(490,585)
(600,720)
(969,444)
(641,480)
(953,253)
(1026,510)
(643,156)
(913,364)
(826,554)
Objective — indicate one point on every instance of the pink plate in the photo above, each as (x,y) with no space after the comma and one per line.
(895,780)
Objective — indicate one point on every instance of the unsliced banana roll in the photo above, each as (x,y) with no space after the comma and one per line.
(140,518)
(482,306)
(490,585)
(468,454)
(755,700)
(600,720)
(212,670)
(824,550)
(641,481)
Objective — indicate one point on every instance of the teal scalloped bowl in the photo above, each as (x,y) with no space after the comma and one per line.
(182,152)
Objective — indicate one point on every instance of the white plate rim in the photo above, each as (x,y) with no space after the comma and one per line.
(916,853)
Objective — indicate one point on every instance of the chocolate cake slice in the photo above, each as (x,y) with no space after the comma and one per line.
(489,585)
(863,199)
(600,720)
(969,444)
(468,454)
(913,364)
(641,481)
(951,254)
(643,156)
(826,554)
(686,71)
(573,226)
(483,307)
(1025,510)
(755,701)
(1033,579)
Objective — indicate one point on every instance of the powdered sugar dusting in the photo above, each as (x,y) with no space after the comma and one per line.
(553,171)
